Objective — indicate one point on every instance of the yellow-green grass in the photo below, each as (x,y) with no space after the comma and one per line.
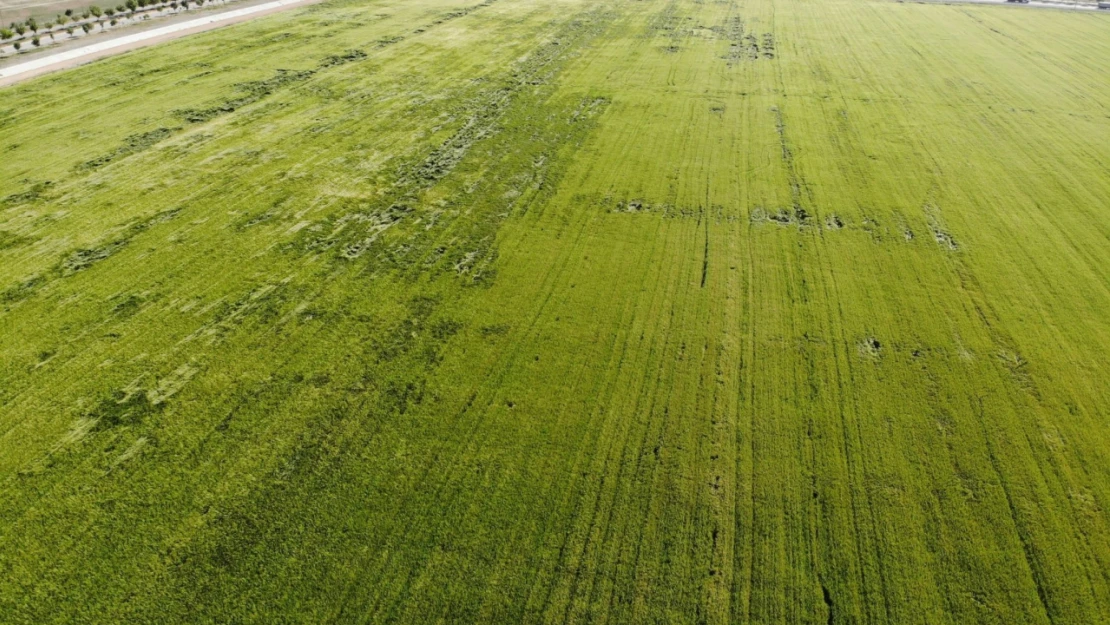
(563,311)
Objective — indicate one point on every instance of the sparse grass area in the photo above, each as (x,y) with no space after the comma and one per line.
(563,311)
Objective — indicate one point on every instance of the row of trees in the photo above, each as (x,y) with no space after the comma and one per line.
(86,20)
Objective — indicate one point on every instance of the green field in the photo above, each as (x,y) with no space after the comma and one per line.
(563,311)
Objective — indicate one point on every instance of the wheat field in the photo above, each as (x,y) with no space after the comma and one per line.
(563,311)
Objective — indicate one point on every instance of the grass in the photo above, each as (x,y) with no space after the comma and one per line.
(563,311)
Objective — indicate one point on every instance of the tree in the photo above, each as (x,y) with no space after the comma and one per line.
(133,5)
(6,33)
(86,27)
(33,24)
(69,31)
(35,42)
(69,12)
(17,46)
(109,12)
(20,28)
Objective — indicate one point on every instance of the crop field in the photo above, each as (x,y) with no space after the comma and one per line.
(563,311)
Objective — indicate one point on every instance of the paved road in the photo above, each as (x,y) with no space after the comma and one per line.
(1032,4)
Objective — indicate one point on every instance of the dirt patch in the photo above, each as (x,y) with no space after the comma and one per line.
(870,347)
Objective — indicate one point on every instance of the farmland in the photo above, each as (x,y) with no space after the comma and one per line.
(563,311)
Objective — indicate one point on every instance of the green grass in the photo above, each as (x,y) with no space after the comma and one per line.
(563,311)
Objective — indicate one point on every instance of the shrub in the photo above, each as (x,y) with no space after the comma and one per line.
(6,33)
(95,10)
(35,42)
(133,5)
(69,12)
(86,27)
(113,22)
(69,31)
(32,24)
(20,28)
(17,46)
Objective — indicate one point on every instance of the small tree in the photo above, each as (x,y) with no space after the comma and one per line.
(35,42)
(95,10)
(32,24)
(17,46)
(69,31)
(6,33)
(69,12)
(113,22)
(20,29)
(86,27)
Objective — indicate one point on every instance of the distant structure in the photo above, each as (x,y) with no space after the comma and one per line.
(1104,5)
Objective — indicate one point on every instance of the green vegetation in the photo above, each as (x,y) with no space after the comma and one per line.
(563,311)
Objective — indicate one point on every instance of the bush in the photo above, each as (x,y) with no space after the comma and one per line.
(132,4)
(69,31)
(35,42)
(69,12)
(17,46)
(95,10)
(21,29)
(32,24)
(113,22)
(6,33)
(86,28)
